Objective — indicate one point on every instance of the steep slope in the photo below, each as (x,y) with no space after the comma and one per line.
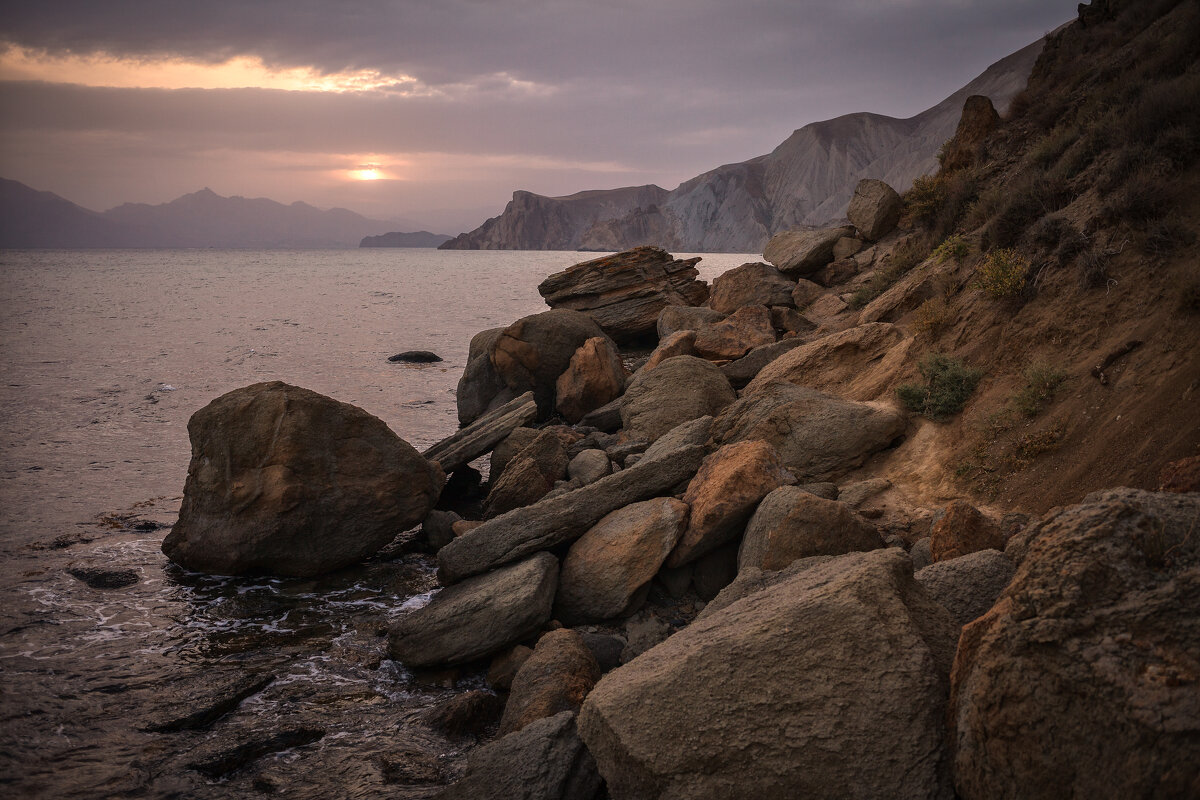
(807,180)
(29,218)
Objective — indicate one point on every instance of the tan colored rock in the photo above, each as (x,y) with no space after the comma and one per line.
(685,318)
(825,308)
(962,529)
(508,447)
(785,319)
(803,252)
(790,523)
(677,390)
(530,354)
(908,293)
(607,567)
(739,333)
(874,209)
(594,377)
(754,284)
(836,273)
(555,678)
(724,494)
(979,118)
(529,475)
(462,526)
(846,247)
(679,343)
(504,667)
(805,293)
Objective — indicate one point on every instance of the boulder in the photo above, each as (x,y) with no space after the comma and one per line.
(920,554)
(874,209)
(846,247)
(556,520)
(818,435)
(594,378)
(543,761)
(677,390)
(286,481)
(479,384)
(437,529)
(626,292)
(804,252)
(1081,681)
(787,320)
(962,529)
(605,418)
(979,118)
(529,475)
(103,577)
(479,616)
(685,318)
(727,488)
(607,566)
(415,357)
(469,443)
(588,467)
(790,523)
(859,492)
(830,682)
(736,335)
(825,311)
(509,446)
(686,434)
(836,273)
(505,666)
(858,363)
(470,713)
(968,586)
(804,293)
(530,354)
(744,369)
(555,678)
(679,343)
(754,284)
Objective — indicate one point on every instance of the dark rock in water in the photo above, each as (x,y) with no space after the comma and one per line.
(470,713)
(286,481)
(226,762)
(105,577)
(416,357)
(213,699)
(555,678)
(543,761)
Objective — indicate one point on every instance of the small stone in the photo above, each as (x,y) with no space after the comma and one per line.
(415,357)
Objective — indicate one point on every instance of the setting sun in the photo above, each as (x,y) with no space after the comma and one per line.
(367,172)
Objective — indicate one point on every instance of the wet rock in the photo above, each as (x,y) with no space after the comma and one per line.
(104,577)
(409,767)
(532,352)
(677,390)
(739,333)
(804,252)
(468,714)
(504,667)
(723,495)
(626,292)
(1081,681)
(529,475)
(754,284)
(679,343)
(834,677)
(594,378)
(287,481)
(195,706)
(479,616)
(962,529)
(979,118)
(968,586)
(744,369)
(685,318)
(607,566)
(223,763)
(857,363)
(553,521)
(791,523)
(819,436)
(589,467)
(543,761)
(713,571)
(874,209)
(415,357)
(483,434)
(556,678)
(687,434)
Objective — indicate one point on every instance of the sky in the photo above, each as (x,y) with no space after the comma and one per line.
(432,113)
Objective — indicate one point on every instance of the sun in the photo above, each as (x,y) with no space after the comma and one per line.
(368,172)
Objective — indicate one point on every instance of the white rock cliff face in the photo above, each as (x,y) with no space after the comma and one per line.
(806,181)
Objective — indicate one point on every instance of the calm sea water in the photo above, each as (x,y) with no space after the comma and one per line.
(105,355)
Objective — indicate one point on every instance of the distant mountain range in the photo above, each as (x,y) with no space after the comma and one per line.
(30,218)
(807,180)
(395,239)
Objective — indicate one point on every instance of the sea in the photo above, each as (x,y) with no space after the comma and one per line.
(104,355)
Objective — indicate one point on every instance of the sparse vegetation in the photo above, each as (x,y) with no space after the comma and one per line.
(1002,274)
(907,254)
(1041,383)
(952,247)
(1093,268)
(931,317)
(1031,445)
(1024,202)
(948,385)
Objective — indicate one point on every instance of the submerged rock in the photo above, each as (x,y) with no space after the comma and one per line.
(99,577)
(415,357)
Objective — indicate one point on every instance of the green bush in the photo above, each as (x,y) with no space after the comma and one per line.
(1002,274)
(948,385)
(955,247)
(1041,382)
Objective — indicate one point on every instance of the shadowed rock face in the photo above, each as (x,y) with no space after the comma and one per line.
(287,481)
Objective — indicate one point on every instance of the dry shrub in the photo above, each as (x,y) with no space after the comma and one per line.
(1041,384)
(952,247)
(1093,268)
(932,316)
(1026,200)
(1003,274)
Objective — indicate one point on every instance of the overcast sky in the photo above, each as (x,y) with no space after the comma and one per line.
(432,113)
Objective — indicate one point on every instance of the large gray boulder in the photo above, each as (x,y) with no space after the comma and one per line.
(874,209)
(832,682)
(676,391)
(1082,679)
(287,481)
(530,354)
(479,384)
(968,586)
(792,523)
(477,617)
(818,435)
(801,253)
(753,284)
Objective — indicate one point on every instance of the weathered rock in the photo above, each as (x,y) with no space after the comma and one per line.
(907,294)
(804,293)
(687,434)
(556,678)
(1081,681)
(743,370)
(679,343)
(724,494)
(715,570)
(607,566)
(606,648)
(677,390)
(507,448)
(606,418)
(459,527)
(754,284)
(589,467)
(846,247)
(544,761)
(529,475)
(979,118)
(785,320)
(858,363)
(560,519)
(825,311)
(920,554)
(824,489)
(874,209)
(791,523)
(532,352)
(836,273)
(627,291)
(623,450)
(505,666)
(437,530)
(483,342)
(818,435)
(218,760)
(685,318)
(415,357)
(477,389)
(483,434)
(287,481)
(594,378)
(736,335)
(962,529)
(803,252)
(859,492)
(469,713)
(99,577)
(479,616)
(835,677)
(968,586)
